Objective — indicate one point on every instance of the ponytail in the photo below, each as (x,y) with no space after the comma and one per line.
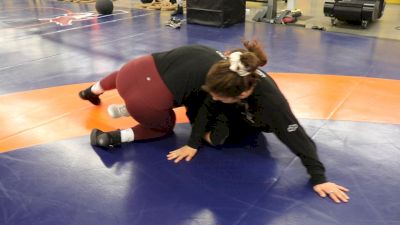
(237,73)
(256,47)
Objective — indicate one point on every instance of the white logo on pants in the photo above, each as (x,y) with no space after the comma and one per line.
(292,127)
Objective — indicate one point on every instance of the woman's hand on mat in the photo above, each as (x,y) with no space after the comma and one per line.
(186,152)
(336,192)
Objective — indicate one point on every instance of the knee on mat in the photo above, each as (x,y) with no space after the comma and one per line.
(217,139)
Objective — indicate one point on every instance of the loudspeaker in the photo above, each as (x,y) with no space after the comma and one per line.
(220,13)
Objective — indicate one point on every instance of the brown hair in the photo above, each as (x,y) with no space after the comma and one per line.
(225,82)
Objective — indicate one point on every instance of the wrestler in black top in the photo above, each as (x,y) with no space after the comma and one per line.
(265,110)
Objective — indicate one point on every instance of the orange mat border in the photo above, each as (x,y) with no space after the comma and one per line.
(46,115)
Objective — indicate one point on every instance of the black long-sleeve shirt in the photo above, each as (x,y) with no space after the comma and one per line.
(184,71)
(267,109)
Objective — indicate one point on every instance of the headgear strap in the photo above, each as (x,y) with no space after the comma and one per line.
(236,65)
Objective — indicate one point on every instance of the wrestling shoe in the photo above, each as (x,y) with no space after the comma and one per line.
(87,94)
(117,111)
(174,23)
(105,139)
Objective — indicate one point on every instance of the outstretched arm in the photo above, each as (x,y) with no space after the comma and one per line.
(292,134)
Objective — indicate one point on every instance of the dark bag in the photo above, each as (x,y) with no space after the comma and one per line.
(220,13)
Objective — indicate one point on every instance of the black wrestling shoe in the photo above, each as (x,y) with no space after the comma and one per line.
(105,139)
(174,23)
(87,94)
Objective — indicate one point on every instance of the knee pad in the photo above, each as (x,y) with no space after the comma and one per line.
(219,130)
(219,135)
(217,139)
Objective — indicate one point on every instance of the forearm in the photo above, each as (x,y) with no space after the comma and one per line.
(199,127)
(292,134)
(302,146)
(315,169)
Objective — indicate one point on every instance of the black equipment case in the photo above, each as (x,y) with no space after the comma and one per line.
(360,11)
(220,13)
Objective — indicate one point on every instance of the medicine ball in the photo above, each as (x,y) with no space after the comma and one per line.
(104,7)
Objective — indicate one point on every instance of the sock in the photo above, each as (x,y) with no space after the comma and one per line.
(127,135)
(97,89)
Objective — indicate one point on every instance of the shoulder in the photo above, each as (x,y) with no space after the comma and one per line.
(268,92)
(261,73)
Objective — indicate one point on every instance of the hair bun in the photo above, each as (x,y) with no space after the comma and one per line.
(236,64)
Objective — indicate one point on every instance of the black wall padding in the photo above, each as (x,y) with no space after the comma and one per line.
(219,13)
